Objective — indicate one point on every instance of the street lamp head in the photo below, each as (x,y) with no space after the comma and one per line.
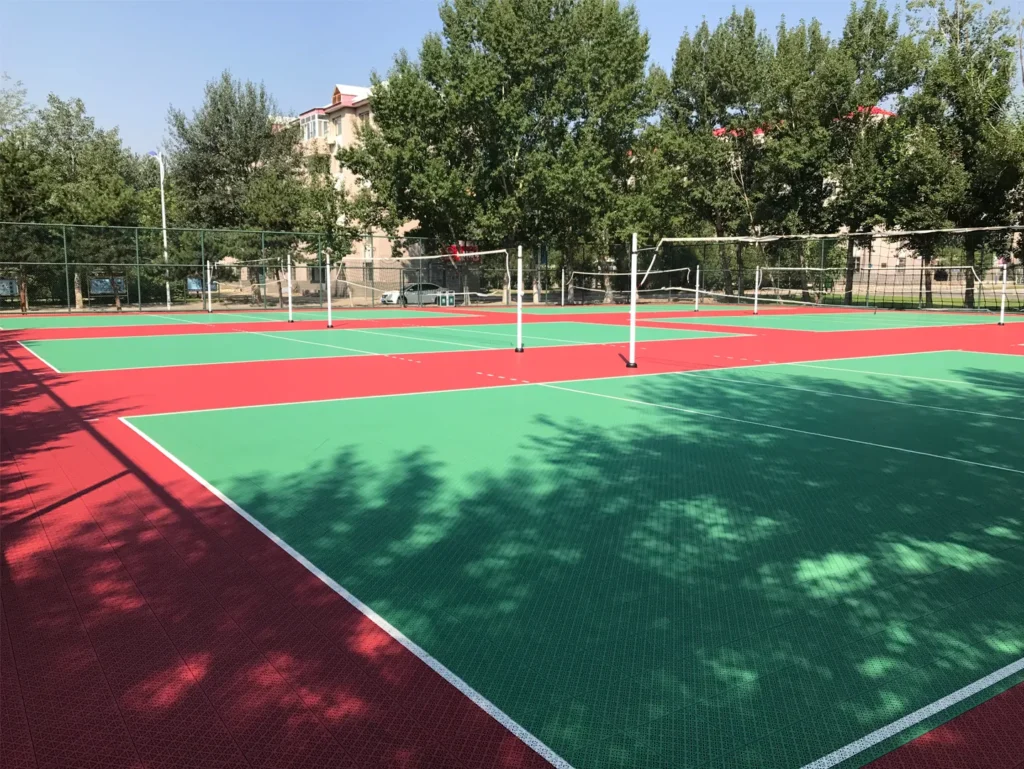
(153,154)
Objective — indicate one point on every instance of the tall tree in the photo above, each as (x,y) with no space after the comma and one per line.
(514,124)
(229,160)
(966,97)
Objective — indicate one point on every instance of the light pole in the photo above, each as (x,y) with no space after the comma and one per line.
(163,215)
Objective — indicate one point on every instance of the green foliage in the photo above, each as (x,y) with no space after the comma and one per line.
(514,124)
(232,166)
(15,110)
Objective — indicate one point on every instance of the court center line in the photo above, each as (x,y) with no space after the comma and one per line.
(903,376)
(419,338)
(434,664)
(846,395)
(900,725)
(40,357)
(279,336)
(697,412)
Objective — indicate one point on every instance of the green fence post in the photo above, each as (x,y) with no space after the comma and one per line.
(138,269)
(67,277)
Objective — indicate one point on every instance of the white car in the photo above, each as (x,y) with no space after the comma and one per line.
(417,293)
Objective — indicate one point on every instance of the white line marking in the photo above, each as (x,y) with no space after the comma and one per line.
(436,665)
(902,724)
(844,395)
(281,338)
(417,338)
(33,352)
(697,412)
(490,387)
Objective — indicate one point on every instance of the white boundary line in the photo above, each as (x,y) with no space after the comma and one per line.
(280,336)
(519,384)
(33,352)
(418,338)
(438,667)
(697,412)
(846,395)
(892,729)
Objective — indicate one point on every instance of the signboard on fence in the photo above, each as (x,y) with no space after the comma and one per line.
(194,284)
(8,287)
(106,286)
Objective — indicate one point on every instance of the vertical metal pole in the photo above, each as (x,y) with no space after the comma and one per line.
(67,276)
(696,292)
(519,300)
(330,322)
(138,269)
(320,270)
(288,267)
(263,267)
(1002,303)
(757,287)
(631,363)
(163,218)
(209,286)
(202,257)
(563,287)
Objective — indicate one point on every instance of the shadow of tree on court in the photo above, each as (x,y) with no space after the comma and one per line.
(637,586)
(670,569)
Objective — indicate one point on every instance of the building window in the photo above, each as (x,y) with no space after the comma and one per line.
(368,273)
(337,128)
(364,117)
(856,264)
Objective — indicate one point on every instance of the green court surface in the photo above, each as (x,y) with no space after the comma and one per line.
(736,569)
(82,320)
(111,353)
(846,320)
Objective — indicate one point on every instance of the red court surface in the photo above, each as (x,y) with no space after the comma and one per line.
(145,624)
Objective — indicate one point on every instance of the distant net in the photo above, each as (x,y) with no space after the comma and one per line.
(660,287)
(958,269)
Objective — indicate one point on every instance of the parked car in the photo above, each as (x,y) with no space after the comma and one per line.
(417,293)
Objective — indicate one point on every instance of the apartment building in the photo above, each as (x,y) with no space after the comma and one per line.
(324,130)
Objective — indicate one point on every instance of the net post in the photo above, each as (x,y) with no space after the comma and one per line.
(563,287)
(67,274)
(696,292)
(209,286)
(1002,301)
(757,287)
(138,270)
(631,363)
(519,299)
(288,268)
(330,321)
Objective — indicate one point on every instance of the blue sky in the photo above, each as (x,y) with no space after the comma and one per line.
(130,60)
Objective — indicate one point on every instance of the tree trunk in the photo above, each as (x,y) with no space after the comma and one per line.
(739,268)
(848,291)
(971,246)
(280,289)
(79,301)
(117,294)
(805,292)
(606,280)
(927,282)
(23,293)
(536,285)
